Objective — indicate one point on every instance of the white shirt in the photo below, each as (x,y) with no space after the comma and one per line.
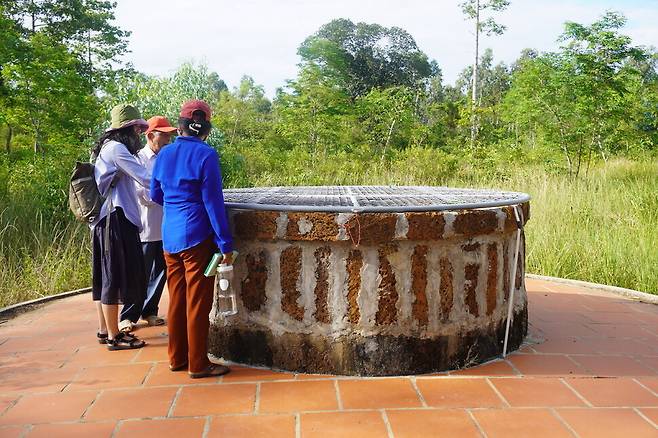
(114,157)
(149,211)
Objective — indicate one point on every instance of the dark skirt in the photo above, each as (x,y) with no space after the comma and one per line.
(118,276)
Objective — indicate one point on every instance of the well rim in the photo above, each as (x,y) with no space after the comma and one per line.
(438,198)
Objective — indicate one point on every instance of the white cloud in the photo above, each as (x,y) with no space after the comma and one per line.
(260,38)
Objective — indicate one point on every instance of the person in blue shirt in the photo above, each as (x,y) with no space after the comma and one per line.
(187,182)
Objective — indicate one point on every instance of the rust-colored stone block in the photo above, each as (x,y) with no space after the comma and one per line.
(256,225)
(492,277)
(354,265)
(510,221)
(322,254)
(253,286)
(388,295)
(446,288)
(526,211)
(475,222)
(314,227)
(290,268)
(470,288)
(419,284)
(371,228)
(425,226)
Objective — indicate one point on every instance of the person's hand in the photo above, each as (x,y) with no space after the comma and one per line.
(227,259)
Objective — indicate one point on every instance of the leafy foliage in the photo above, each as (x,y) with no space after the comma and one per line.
(363,56)
(580,99)
(366,107)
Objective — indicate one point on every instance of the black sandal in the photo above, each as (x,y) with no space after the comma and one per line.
(124,341)
(102,338)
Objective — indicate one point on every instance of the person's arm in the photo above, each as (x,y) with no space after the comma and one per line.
(128,164)
(156,194)
(143,195)
(213,200)
(143,192)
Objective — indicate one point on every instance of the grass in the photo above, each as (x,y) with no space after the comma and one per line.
(601,228)
(39,258)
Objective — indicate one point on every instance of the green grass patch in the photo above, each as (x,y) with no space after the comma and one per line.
(601,228)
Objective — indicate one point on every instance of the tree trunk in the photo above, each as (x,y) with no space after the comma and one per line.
(600,145)
(235,130)
(580,157)
(91,68)
(37,146)
(10,134)
(474,81)
(565,149)
(388,138)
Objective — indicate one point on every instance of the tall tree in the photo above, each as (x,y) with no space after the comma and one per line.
(57,54)
(50,98)
(84,26)
(244,114)
(580,98)
(383,113)
(13,50)
(364,56)
(163,96)
(600,57)
(494,82)
(313,114)
(474,10)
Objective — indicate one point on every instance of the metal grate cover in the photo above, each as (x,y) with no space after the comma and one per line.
(359,199)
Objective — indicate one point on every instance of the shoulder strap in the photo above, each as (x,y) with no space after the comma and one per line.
(107,219)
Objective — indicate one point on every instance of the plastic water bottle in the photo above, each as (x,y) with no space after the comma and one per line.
(225,294)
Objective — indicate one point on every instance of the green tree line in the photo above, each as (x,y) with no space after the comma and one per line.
(368,94)
(367,106)
(362,89)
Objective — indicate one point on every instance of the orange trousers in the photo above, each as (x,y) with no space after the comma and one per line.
(190,301)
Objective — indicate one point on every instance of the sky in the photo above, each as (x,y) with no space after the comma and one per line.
(260,38)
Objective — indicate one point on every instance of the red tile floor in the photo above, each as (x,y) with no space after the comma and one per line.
(589,368)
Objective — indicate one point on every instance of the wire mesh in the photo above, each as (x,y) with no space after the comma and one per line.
(368,198)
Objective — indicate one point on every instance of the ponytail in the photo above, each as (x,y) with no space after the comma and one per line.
(198,126)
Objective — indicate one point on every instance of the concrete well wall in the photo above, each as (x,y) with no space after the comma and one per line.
(373,293)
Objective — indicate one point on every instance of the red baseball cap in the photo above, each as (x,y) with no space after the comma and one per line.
(159,123)
(190,106)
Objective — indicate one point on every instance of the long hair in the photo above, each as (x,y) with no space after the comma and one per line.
(127,136)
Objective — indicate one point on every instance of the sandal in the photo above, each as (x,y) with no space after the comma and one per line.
(124,341)
(126,326)
(154,320)
(178,368)
(102,337)
(213,370)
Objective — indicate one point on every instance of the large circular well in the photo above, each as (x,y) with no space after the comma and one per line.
(373,280)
